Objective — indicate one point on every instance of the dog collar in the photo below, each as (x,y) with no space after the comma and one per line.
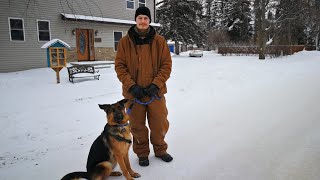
(121,125)
(117,125)
(116,136)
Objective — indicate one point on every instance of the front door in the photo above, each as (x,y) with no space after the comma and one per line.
(85,44)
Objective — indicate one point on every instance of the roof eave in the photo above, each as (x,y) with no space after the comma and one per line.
(75,17)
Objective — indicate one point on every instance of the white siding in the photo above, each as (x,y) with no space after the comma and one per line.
(22,55)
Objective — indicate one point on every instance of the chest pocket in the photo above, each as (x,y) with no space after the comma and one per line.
(145,76)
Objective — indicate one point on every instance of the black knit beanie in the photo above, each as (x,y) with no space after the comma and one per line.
(144,11)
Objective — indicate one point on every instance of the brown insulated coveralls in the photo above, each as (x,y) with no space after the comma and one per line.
(145,64)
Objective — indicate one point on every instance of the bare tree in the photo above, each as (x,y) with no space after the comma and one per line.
(260,19)
(218,37)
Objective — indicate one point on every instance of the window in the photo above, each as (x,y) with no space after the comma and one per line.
(142,3)
(16,29)
(130,4)
(116,37)
(43,30)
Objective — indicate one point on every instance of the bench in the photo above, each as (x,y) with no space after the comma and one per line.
(82,71)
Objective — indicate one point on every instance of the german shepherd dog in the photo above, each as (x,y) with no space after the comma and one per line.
(110,148)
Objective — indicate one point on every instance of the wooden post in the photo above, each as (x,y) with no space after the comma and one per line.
(58,77)
(57,70)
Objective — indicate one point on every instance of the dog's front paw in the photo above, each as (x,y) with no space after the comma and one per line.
(135,175)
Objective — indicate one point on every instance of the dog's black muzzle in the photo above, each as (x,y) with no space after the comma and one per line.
(118,117)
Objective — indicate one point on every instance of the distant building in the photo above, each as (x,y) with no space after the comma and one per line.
(172,47)
(92,29)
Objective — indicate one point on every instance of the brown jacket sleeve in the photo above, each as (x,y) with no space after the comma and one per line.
(165,66)
(121,66)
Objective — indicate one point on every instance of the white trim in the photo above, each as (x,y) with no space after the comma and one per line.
(145,3)
(101,19)
(38,30)
(114,48)
(133,5)
(23,29)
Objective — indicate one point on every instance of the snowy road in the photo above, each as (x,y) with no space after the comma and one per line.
(231,118)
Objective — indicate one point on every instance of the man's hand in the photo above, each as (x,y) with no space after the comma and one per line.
(151,90)
(136,91)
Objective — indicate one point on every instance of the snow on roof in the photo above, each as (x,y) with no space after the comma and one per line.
(53,41)
(102,19)
(172,42)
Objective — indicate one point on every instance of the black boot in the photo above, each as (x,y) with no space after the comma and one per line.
(166,157)
(143,161)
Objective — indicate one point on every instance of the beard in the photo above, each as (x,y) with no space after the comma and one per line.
(142,27)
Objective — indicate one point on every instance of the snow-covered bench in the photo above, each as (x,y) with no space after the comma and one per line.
(82,71)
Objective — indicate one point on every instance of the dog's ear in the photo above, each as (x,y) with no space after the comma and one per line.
(105,107)
(123,102)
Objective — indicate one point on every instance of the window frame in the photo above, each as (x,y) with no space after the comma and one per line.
(38,31)
(145,3)
(133,1)
(23,29)
(114,47)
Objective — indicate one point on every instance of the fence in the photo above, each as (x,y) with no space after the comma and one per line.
(273,50)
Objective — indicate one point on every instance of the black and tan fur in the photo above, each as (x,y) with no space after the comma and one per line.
(110,148)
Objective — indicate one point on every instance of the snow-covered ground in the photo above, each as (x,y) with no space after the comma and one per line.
(231,118)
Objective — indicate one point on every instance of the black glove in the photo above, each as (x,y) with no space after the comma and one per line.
(136,91)
(151,90)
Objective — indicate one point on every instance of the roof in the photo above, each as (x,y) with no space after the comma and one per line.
(54,41)
(172,42)
(102,19)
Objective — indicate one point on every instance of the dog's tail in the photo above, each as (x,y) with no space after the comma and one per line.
(75,175)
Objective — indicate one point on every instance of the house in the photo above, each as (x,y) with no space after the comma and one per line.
(92,29)
(171,45)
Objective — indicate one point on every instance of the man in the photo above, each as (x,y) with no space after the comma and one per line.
(143,65)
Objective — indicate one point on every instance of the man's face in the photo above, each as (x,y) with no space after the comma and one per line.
(143,22)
